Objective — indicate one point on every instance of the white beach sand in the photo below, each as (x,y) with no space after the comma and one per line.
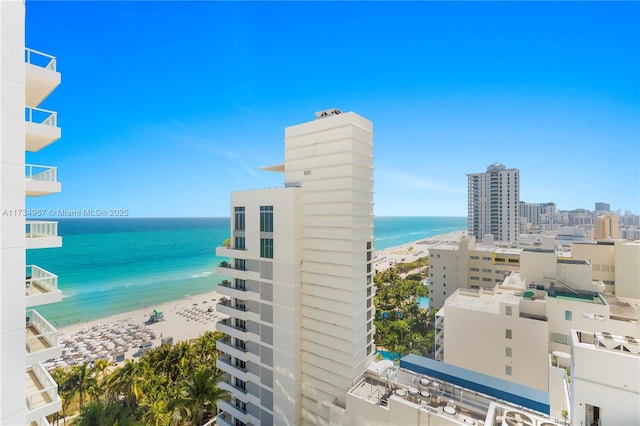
(412,251)
(184,319)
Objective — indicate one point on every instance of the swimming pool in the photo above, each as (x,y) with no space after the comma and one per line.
(424,302)
(390,355)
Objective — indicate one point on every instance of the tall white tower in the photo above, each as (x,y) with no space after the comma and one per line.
(493,202)
(27,391)
(301,271)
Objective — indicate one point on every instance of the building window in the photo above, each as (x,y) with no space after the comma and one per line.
(509,310)
(507,370)
(486,258)
(488,271)
(567,315)
(240,264)
(475,257)
(560,338)
(507,352)
(239,219)
(266,218)
(242,365)
(508,333)
(241,324)
(487,280)
(241,344)
(241,284)
(239,243)
(475,278)
(241,384)
(266,248)
(475,269)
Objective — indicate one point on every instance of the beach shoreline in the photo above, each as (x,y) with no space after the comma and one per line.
(189,317)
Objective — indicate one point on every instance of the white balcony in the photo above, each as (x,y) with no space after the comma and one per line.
(224,364)
(41,422)
(225,288)
(231,252)
(41,180)
(42,339)
(41,76)
(228,407)
(42,234)
(42,394)
(41,128)
(41,287)
(225,327)
(227,308)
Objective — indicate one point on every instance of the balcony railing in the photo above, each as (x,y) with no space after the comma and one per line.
(40,281)
(40,229)
(40,59)
(46,337)
(41,116)
(228,304)
(41,173)
(42,391)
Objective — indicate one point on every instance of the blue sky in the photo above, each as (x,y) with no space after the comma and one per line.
(167,107)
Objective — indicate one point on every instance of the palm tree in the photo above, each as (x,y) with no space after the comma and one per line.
(156,412)
(82,380)
(101,413)
(65,388)
(128,380)
(200,394)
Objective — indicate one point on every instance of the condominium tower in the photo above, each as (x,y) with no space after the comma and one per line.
(27,392)
(299,301)
(493,202)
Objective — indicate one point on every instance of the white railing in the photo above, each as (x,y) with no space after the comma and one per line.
(40,277)
(41,173)
(44,328)
(39,229)
(40,59)
(38,399)
(41,116)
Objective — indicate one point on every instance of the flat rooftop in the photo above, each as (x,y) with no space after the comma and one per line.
(621,309)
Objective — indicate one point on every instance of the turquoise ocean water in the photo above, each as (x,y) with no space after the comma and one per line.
(110,266)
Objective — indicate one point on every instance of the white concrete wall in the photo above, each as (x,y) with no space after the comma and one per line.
(333,157)
(476,340)
(602,260)
(607,379)
(12,226)
(627,269)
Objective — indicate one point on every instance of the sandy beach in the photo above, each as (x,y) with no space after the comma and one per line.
(184,319)
(384,259)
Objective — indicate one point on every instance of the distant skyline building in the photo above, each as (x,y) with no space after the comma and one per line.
(537,217)
(300,299)
(493,203)
(606,226)
(602,207)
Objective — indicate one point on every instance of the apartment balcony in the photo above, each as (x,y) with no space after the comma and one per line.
(231,252)
(226,327)
(42,339)
(225,346)
(224,419)
(42,234)
(42,394)
(227,308)
(230,271)
(41,76)
(226,384)
(41,422)
(225,364)
(41,180)
(41,287)
(228,407)
(226,288)
(41,128)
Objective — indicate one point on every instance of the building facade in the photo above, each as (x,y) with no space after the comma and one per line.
(493,203)
(300,298)
(606,227)
(28,393)
(537,217)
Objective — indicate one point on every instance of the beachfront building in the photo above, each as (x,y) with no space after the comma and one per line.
(493,203)
(27,392)
(529,316)
(300,296)
(468,265)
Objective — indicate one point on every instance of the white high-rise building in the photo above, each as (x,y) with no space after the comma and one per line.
(300,327)
(493,201)
(27,391)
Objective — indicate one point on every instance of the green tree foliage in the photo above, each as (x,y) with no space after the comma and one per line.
(171,385)
(401,325)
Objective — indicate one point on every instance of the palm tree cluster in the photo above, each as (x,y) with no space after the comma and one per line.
(169,385)
(401,325)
